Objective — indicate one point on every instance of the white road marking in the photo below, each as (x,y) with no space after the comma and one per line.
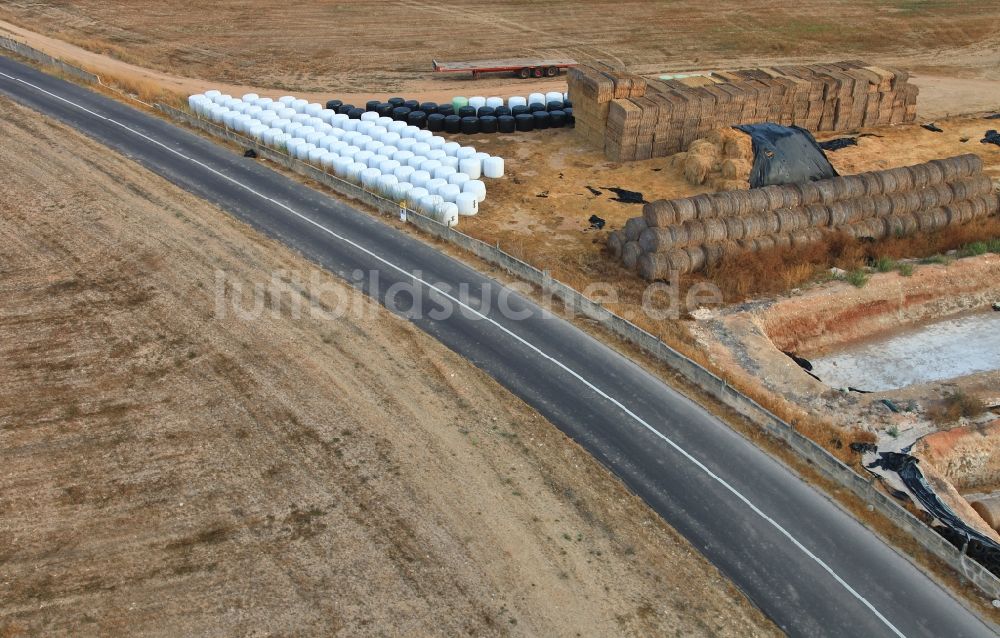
(523,341)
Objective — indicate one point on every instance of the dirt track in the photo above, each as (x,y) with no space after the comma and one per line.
(170,468)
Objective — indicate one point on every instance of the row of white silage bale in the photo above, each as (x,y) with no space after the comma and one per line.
(436,177)
(479,101)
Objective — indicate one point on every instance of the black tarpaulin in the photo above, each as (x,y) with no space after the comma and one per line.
(785,155)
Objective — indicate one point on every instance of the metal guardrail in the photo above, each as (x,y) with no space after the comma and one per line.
(34,54)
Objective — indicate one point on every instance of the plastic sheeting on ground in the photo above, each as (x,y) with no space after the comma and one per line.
(785,155)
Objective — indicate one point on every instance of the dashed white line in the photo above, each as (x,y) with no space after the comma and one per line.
(805,550)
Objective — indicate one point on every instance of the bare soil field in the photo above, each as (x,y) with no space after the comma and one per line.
(387,46)
(172,468)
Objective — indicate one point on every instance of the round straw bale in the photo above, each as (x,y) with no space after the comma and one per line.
(818,214)
(905,203)
(634,227)
(888,181)
(871,228)
(839,213)
(703,146)
(827,192)
(964,211)
(808,193)
(653,240)
(659,213)
(770,223)
(877,206)
(735,227)
(853,186)
(909,223)
(805,236)
(839,187)
(921,176)
(704,207)
(740,146)
(615,244)
(954,214)
(972,164)
(789,219)
(758,200)
(724,204)
(929,220)
(903,177)
(872,183)
(678,260)
(685,209)
(782,240)
(764,243)
(697,256)
(775,196)
(715,230)
(715,252)
(697,167)
(741,203)
(949,168)
(654,266)
(935,175)
(736,169)
(930,198)
(979,206)
(894,226)
(695,232)
(630,254)
(792,198)
(945,195)
(991,203)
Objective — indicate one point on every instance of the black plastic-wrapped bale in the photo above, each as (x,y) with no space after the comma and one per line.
(467,111)
(525,122)
(371,105)
(506,124)
(333,105)
(557,119)
(429,107)
(470,125)
(485,110)
(416,118)
(355,114)
(519,109)
(452,124)
(542,119)
(400,113)
(567,104)
(344,109)
(435,122)
(396,101)
(413,105)
(534,107)
(446,109)
(501,110)
(384,109)
(554,105)
(488,124)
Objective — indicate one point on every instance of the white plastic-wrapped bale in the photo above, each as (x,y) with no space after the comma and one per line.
(302,151)
(267,137)
(228,117)
(465,152)
(468,203)
(369,116)
(350,152)
(436,154)
(327,159)
(493,167)
(341,166)
(328,115)
(362,157)
(458,178)
(249,97)
(516,100)
(429,203)
(415,195)
(385,122)
(451,148)
(313,137)
(477,102)
(398,126)
(402,156)
(314,109)
(553,96)
(195,101)
(410,131)
(423,135)
(212,93)
(265,103)
(388,166)
(421,148)
(449,192)
(369,177)
(415,161)
(475,187)
(301,118)
(450,162)
(536,98)
(386,186)
(375,160)
(402,191)
(257,131)
(434,186)
(374,145)
(443,172)
(406,144)
(267,117)
(429,165)
(436,142)
(287,100)
(254,111)
(420,178)
(354,172)
(280,140)
(299,105)
(471,166)
(336,146)
(404,173)
(494,102)
(448,214)
(391,138)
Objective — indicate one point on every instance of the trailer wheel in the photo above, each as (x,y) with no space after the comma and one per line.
(525,73)
(552,71)
(538,72)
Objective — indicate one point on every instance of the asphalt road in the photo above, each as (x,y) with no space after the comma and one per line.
(808,565)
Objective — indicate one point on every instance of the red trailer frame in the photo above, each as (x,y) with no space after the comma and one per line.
(522,67)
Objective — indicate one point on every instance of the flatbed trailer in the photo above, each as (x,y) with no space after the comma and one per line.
(522,67)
